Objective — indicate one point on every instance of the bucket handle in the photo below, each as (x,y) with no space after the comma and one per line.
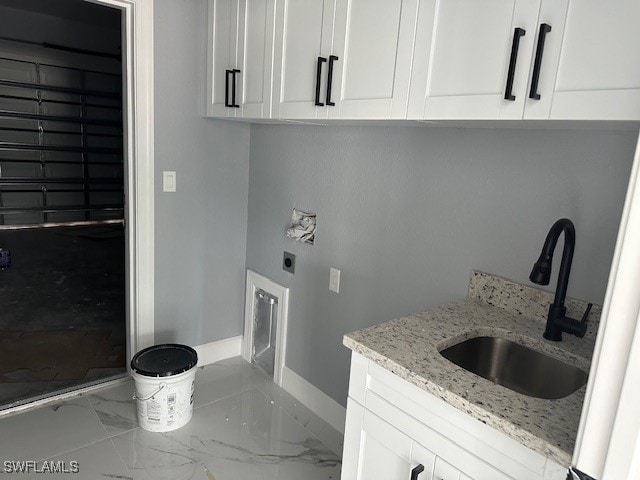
(162,387)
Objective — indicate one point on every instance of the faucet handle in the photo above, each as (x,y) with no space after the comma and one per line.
(582,329)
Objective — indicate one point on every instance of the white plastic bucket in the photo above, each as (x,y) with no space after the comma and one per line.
(164,398)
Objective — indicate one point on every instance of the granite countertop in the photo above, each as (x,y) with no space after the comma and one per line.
(410,346)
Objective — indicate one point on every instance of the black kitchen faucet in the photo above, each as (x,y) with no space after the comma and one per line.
(557,321)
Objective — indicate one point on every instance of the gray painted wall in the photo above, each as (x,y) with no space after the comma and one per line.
(407,213)
(200,229)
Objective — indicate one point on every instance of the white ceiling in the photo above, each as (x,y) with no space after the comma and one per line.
(75,10)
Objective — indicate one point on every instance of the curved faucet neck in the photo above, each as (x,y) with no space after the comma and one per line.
(563,225)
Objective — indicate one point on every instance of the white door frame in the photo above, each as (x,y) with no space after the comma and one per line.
(608,442)
(137,41)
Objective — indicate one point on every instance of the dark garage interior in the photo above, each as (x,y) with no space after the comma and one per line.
(62,237)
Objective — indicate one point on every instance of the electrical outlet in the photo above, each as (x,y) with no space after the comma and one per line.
(334,280)
(289,262)
(168,181)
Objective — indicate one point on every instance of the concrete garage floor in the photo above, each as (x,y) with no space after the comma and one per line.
(61,280)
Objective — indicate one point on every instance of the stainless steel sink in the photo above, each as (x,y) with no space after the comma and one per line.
(516,367)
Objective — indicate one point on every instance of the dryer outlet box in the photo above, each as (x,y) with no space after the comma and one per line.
(289,262)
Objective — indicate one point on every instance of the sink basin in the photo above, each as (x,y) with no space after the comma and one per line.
(516,367)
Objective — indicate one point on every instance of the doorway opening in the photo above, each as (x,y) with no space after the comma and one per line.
(62,199)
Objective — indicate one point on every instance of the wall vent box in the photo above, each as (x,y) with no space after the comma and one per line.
(265,320)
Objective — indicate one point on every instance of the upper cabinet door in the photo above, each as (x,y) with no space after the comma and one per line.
(303,37)
(469,56)
(221,56)
(255,52)
(591,63)
(373,42)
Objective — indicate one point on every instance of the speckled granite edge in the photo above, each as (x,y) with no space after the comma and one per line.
(521,435)
(526,300)
(409,347)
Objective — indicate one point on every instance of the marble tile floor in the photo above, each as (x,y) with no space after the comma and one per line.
(244,427)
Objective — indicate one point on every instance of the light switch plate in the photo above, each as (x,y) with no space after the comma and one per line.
(168,181)
(334,280)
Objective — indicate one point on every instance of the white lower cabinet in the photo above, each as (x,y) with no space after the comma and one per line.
(378,450)
(396,431)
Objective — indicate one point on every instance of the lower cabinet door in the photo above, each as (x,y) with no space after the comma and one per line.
(373,449)
(445,471)
(423,460)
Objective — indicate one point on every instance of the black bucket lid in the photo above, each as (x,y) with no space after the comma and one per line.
(164,360)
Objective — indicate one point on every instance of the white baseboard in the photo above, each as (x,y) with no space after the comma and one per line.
(314,399)
(215,351)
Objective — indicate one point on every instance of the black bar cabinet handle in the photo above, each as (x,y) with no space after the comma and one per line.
(233,89)
(518,32)
(226,88)
(417,471)
(321,60)
(332,58)
(544,29)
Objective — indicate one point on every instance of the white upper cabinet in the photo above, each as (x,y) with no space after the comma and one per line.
(373,41)
(221,55)
(255,54)
(465,51)
(239,58)
(343,58)
(515,59)
(303,39)
(590,67)
(424,59)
